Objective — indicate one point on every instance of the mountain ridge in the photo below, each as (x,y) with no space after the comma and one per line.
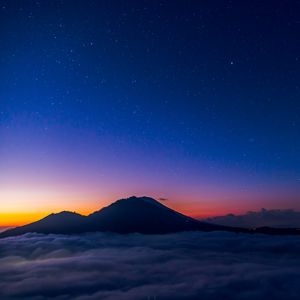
(130,215)
(279,218)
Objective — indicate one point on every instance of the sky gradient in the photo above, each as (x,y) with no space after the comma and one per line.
(196,102)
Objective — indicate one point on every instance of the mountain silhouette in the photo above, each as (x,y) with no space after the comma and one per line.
(132,215)
(144,215)
(64,222)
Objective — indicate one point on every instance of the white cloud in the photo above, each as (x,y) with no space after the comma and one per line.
(190,265)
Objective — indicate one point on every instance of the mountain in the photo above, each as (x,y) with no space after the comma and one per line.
(280,218)
(64,222)
(135,214)
(144,215)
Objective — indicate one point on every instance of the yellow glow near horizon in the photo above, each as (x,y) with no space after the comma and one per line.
(18,219)
(23,206)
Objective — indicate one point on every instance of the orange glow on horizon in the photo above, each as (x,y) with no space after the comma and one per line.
(13,219)
(19,219)
(24,206)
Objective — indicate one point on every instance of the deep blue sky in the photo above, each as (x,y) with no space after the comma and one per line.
(194,101)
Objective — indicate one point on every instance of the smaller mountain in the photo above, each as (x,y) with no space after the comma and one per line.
(62,223)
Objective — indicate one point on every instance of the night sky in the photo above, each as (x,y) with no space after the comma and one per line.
(196,102)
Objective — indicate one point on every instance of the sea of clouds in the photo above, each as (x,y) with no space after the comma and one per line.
(190,265)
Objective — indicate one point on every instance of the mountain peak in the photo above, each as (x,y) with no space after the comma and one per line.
(65,213)
(130,202)
(141,199)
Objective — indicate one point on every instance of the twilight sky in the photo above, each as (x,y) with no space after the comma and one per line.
(193,101)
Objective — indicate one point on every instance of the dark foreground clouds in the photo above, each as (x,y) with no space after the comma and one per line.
(178,266)
(273,218)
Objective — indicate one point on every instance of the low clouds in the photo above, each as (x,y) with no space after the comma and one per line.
(272,218)
(3,228)
(190,265)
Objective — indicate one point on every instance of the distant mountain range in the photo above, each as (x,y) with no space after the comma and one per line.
(132,215)
(279,218)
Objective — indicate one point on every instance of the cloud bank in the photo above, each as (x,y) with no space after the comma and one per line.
(282,218)
(191,265)
(3,228)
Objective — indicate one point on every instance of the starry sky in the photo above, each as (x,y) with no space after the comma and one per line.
(194,102)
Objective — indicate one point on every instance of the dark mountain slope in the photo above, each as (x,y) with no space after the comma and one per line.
(144,215)
(64,223)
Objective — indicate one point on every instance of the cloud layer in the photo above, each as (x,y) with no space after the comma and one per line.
(191,265)
(287,218)
(3,228)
